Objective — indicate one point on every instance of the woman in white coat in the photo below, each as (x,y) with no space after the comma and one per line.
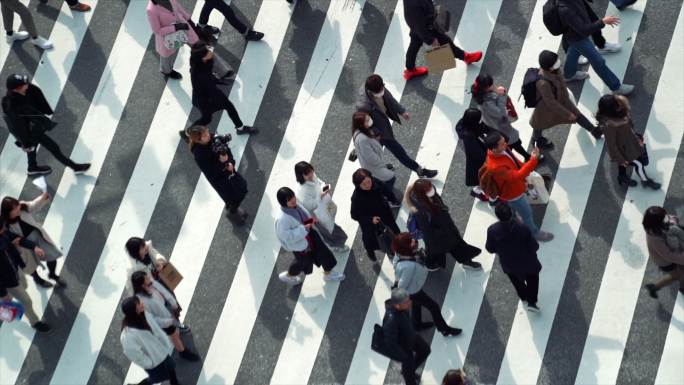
(19,218)
(162,306)
(316,197)
(146,344)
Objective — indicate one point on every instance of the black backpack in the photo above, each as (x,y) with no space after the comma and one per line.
(529,87)
(552,19)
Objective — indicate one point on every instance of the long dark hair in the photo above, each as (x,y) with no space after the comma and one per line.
(8,204)
(454,377)
(420,189)
(480,87)
(611,107)
(133,246)
(471,121)
(131,317)
(302,168)
(359,123)
(138,283)
(654,220)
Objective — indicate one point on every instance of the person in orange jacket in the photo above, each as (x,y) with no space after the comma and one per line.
(509,175)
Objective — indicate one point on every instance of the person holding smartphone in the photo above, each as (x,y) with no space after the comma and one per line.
(295,230)
(315,196)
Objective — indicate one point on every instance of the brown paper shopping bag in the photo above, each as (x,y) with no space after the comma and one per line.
(170,276)
(440,59)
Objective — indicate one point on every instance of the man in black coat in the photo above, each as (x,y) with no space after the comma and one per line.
(206,95)
(420,17)
(402,343)
(578,27)
(383,108)
(25,109)
(517,251)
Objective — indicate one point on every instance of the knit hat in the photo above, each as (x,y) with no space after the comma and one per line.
(16,80)
(399,296)
(548,60)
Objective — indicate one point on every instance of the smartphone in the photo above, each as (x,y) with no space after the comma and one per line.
(326,187)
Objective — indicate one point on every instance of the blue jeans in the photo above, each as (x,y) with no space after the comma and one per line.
(586,48)
(522,207)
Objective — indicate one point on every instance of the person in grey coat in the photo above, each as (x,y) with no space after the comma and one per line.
(384,109)
(410,274)
(491,100)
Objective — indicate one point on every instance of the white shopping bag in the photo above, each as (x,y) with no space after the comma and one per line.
(537,194)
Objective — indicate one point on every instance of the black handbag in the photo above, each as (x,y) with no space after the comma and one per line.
(384,235)
(378,340)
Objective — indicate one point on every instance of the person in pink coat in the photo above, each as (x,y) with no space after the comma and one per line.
(171,22)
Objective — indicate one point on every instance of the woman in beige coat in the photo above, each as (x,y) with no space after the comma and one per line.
(19,218)
(554,106)
(625,146)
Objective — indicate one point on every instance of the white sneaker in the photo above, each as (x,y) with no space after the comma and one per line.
(532,308)
(624,90)
(42,42)
(582,60)
(17,35)
(291,280)
(333,276)
(340,249)
(610,48)
(579,75)
(543,236)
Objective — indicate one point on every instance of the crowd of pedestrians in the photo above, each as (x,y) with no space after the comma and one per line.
(306,223)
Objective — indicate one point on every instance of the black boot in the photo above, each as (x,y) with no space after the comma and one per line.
(449,331)
(651,183)
(652,290)
(543,143)
(627,181)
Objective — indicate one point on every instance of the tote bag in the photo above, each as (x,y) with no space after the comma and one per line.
(176,39)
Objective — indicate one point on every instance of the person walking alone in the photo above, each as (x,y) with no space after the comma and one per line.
(370,207)
(295,230)
(227,10)
(420,18)
(8,8)
(146,344)
(410,274)
(517,249)
(439,231)
(578,28)
(383,108)
(402,343)
(554,106)
(25,109)
(625,146)
(74,5)
(316,197)
(665,243)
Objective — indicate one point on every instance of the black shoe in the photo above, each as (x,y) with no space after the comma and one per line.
(427,173)
(652,290)
(184,329)
(39,170)
(210,30)
(471,265)
(651,183)
(389,166)
(372,256)
(80,168)
(423,326)
(543,143)
(41,327)
(481,196)
(173,75)
(627,181)
(237,218)
(42,283)
(189,355)
(57,279)
(449,331)
(246,130)
(627,4)
(184,136)
(254,36)
(596,132)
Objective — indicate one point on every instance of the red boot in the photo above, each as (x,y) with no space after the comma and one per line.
(472,57)
(418,71)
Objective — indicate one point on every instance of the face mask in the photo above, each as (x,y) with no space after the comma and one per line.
(369,123)
(430,193)
(380,94)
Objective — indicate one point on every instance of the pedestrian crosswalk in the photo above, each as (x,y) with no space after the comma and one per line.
(299,87)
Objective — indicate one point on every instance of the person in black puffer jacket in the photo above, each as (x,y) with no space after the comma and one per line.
(517,249)
(420,17)
(472,133)
(440,233)
(369,207)
(214,158)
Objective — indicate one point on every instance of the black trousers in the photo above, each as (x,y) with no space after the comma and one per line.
(400,153)
(527,286)
(320,256)
(462,252)
(226,105)
(581,120)
(421,300)
(518,147)
(418,354)
(416,42)
(54,149)
(226,10)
